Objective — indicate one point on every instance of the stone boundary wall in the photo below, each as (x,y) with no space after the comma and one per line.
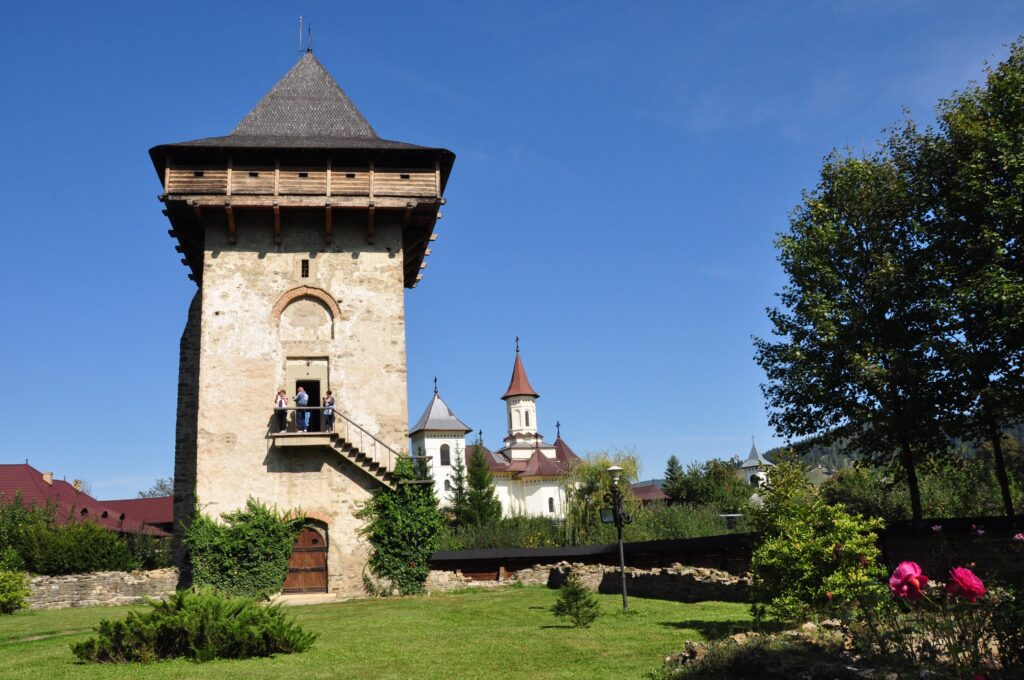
(678,582)
(100,588)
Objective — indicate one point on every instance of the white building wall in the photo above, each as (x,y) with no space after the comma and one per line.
(429,444)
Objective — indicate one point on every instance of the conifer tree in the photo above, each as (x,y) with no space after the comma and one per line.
(481,505)
(576,603)
(458,495)
(674,481)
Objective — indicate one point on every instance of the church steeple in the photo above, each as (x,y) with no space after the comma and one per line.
(521,405)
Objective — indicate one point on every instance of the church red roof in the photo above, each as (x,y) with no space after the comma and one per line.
(70,503)
(540,465)
(520,384)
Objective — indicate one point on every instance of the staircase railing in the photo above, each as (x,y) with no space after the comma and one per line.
(345,428)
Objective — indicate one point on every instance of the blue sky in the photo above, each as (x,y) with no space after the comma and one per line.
(622,170)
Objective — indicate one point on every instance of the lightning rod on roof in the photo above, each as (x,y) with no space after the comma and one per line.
(309,36)
(300,33)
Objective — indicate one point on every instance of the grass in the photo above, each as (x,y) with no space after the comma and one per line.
(486,634)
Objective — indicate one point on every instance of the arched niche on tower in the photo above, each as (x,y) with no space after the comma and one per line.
(306,314)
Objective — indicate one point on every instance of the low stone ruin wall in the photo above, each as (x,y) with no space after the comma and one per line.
(100,588)
(678,582)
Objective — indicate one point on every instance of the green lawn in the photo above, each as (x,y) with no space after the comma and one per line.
(505,633)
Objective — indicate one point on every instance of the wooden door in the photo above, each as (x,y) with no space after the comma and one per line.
(307,567)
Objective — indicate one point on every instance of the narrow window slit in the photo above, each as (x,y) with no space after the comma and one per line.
(305,269)
(197,173)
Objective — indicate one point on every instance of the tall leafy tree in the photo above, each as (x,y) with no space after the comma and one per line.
(482,507)
(975,160)
(715,482)
(587,485)
(854,349)
(163,486)
(674,474)
(458,495)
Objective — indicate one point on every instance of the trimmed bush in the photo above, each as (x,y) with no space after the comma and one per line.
(246,554)
(76,548)
(199,625)
(13,591)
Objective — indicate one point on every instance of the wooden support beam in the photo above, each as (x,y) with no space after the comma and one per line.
(228,190)
(197,210)
(330,163)
(423,265)
(407,215)
(433,237)
(328,224)
(232,237)
(371,216)
(277,223)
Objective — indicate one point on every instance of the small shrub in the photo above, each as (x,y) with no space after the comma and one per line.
(813,559)
(13,591)
(199,625)
(246,554)
(403,526)
(576,603)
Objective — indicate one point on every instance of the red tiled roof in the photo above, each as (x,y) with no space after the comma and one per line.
(649,492)
(159,510)
(539,465)
(70,504)
(519,386)
(564,454)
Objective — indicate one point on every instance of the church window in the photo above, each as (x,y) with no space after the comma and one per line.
(305,269)
(551,505)
(447,485)
(510,420)
(446,455)
(526,414)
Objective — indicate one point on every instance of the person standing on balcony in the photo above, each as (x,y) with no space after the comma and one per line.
(301,413)
(280,409)
(329,412)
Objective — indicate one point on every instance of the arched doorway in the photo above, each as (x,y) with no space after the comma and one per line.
(307,566)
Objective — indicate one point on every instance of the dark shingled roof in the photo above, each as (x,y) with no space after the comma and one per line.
(306,109)
(439,417)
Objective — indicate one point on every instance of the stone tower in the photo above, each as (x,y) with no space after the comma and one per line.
(301,228)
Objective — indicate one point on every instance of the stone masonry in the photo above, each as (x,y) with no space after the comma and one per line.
(678,582)
(100,588)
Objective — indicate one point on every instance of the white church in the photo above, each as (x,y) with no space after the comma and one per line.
(528,471)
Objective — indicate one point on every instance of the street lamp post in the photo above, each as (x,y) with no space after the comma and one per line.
(620,519)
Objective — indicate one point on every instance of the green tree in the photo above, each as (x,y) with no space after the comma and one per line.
(576,603)
(163,486)
(975,161)
(458,495)
(586,486)
(403,527)
(715,482)
(673,487)
(482,507)
(855,348)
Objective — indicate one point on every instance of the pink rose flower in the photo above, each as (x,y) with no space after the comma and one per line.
(1018,537)
(963,583)
(937,528)
(908,581)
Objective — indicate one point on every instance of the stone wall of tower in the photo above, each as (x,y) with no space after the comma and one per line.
(185,427)
(248,340)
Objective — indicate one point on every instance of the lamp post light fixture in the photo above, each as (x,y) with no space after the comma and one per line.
(619,518)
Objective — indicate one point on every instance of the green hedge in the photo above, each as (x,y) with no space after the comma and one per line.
(245,554)
(198,625)
(13,591)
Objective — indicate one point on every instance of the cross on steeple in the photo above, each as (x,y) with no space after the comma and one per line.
(517,344)
(435,384)
(558,430)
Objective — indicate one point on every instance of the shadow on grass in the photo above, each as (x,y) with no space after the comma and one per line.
(716,630)
(556,627)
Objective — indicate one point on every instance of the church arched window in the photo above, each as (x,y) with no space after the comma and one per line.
(446,455)
(447,485)
(551,505)
(527,415)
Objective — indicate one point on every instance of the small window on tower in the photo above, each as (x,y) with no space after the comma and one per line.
(551,505)
(527,416)
(305,269)
(254,174)
(197,173)
(446,455)
(303,174)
